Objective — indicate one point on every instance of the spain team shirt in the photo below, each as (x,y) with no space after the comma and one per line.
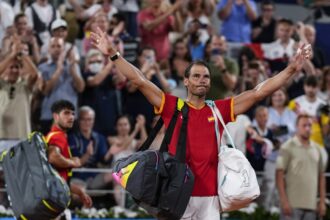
(201,144)
(58,138)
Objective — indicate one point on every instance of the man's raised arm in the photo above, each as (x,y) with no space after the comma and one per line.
(244,101)
(153,94)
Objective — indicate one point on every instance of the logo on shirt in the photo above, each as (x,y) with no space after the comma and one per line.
(210,119)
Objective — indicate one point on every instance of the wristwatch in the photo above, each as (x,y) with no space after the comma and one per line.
(115,57)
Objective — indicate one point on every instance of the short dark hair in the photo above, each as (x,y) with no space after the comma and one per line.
(311,81)
(267,2)
(18,16)
(285,21)
(301,116)
(196,63)
(120,17)
(60,105)
(141,49)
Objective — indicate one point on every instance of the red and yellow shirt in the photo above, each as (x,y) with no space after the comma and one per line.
(201,148)
(58,138)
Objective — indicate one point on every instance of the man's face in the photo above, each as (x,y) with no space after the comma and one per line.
(64,119)
(180,49)
(304,128)
(86,121)
(310,35)
(262,117)
(310,91)
(148,56)
(219,42)
(253,75)
(14,71)
(284,32)
(56,47)
(198,82)
(60,32)
(267,11)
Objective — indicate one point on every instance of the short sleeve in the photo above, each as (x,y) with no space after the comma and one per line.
(283,159)
(226,108)
(56,141)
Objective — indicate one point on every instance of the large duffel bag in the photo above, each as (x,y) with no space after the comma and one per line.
(35,189)
(159,182)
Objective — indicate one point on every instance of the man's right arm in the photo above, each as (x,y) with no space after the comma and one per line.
(56,159)
(281,185)
(152,93)
(282,164)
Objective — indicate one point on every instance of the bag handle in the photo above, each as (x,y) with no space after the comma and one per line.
(217,115)
(152,135)
(169,131)
(181,146)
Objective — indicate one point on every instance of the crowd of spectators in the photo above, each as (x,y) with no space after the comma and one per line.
(47,55)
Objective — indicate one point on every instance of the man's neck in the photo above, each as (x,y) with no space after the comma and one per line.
(60,128)
(305,142)
(197,102)
(42,3)
(311,98)
(285,43)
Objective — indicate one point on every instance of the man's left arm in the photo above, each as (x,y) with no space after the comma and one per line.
(247,99)
(78,82)
(31,71)
(322,193)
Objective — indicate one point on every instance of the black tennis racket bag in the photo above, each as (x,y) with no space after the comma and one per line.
(159,182)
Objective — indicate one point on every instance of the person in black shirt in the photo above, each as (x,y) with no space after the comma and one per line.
(263,28)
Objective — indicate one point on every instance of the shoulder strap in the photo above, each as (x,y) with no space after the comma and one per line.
(170,129)
(152,135)
(182,142)
(168,133)
(50,135)
(217,116)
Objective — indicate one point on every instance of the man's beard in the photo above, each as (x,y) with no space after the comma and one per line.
(63,127)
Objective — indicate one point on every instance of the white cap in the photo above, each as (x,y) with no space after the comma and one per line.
(58,23)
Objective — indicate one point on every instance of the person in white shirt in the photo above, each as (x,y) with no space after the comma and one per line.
(40,15)
(309,103)
(6,18)
(282,49)
(59,28)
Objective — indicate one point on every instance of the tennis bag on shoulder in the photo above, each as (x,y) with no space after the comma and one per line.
(159,182)
(35,189)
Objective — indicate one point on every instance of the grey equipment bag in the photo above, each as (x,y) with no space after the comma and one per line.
(35,189)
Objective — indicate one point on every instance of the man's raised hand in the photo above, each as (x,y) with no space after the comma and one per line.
(101,41)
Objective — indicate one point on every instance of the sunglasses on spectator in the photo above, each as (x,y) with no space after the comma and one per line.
(12,92)
(267,9)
